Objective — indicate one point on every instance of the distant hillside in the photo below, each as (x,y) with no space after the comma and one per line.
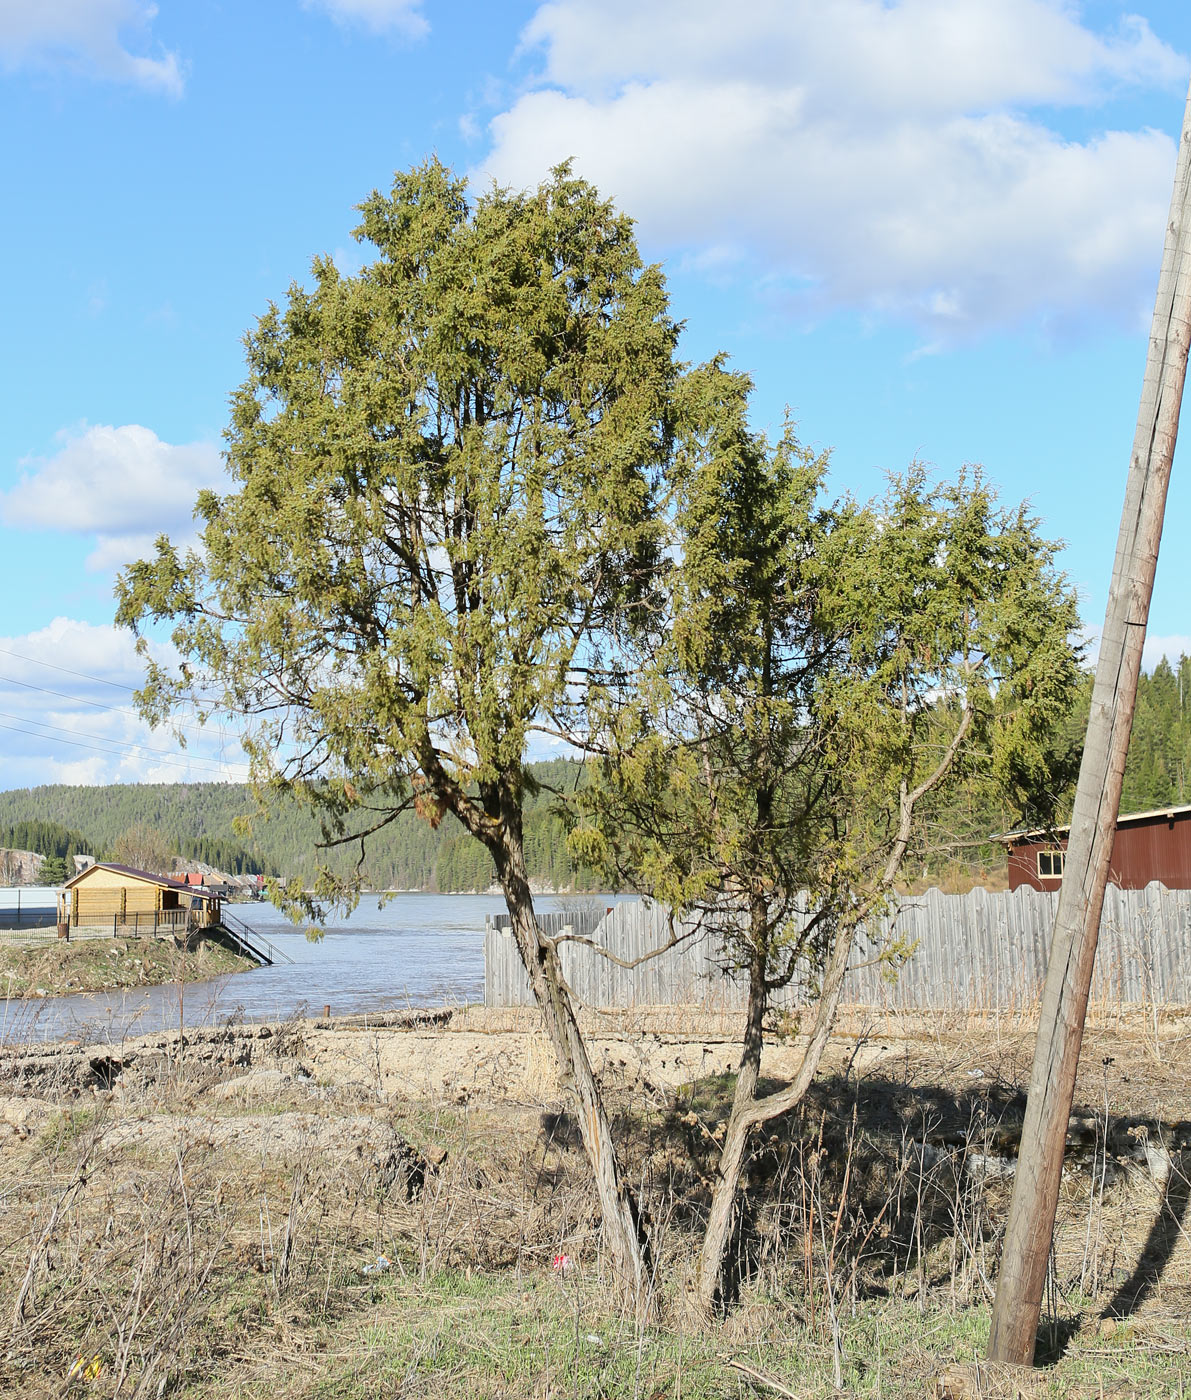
(197,820)
(1158,771)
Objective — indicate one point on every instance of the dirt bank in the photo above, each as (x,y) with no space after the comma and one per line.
(102,964)
(928,1075)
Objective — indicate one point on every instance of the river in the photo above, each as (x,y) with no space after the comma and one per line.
(418,950)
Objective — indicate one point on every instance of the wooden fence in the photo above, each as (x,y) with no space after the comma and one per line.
(977,951)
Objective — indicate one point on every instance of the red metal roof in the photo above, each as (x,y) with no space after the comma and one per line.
(1125,818)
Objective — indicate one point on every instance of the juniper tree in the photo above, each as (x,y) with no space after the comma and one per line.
(821,671)
(444,474)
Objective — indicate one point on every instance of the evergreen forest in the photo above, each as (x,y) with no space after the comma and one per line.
(199,821)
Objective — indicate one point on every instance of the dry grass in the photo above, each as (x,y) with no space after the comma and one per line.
(164,1231)
(58,967)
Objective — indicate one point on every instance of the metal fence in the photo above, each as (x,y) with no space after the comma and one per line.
(27,906)
(163,923)
(980,950)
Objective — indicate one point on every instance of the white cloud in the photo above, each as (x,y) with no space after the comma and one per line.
(66,714)
(403,16)
(870,154)
(1171,646)
(884,55)
(85,35)
(123,485)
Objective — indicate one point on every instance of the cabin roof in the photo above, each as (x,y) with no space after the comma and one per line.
(165,882)
(1041,833)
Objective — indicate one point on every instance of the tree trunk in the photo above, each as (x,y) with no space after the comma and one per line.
(747,1110)
(622,1229)
(750,1112)
(732,1154)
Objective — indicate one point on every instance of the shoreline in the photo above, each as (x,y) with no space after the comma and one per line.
(61,968)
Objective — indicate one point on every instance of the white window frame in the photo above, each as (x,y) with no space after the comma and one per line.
(1056,857)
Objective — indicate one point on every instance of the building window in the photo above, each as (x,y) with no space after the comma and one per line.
(1050,864)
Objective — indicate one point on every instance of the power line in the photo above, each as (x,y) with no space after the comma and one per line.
(66,671)
(99,705)
(80,675)
(75,744)
(117,747)
(122,743)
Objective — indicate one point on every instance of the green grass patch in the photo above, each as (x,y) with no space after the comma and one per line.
(497,1336)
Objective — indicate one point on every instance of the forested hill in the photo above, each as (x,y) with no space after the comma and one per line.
(196,819)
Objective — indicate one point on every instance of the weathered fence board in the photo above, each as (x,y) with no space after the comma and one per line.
(976,951)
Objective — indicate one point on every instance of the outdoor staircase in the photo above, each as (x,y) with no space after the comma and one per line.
(250,942)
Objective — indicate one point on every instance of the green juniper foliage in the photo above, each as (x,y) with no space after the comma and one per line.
(458,515)
(820,670)
(814,667)
(443,473)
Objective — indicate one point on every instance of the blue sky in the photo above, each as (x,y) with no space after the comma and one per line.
(931,228)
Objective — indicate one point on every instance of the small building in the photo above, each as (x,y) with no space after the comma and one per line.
(1148,846)
(215,884)
(119,896)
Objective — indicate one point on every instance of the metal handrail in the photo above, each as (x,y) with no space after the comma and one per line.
(139,922)
(248,937)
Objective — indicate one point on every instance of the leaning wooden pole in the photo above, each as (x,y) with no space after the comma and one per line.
(1028,1234)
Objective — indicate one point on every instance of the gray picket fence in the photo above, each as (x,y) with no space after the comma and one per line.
(976,951)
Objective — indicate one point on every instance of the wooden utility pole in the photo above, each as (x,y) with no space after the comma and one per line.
(1097,798)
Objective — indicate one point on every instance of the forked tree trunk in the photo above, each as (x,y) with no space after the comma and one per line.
(730,1168)
(622,1229)
(748,1112)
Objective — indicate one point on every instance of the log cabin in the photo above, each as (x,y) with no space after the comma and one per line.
(132,900)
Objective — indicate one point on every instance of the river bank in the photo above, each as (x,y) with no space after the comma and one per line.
(389,953)
(60,968)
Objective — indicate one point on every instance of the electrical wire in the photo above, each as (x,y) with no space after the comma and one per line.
(66,671)
(110,753)
(80,675)
(123,743)
(99,705)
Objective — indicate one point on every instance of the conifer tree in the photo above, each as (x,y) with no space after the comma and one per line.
(444,473)
(820,671)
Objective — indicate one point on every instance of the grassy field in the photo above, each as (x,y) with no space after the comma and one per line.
(245,1216)
(98,964)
